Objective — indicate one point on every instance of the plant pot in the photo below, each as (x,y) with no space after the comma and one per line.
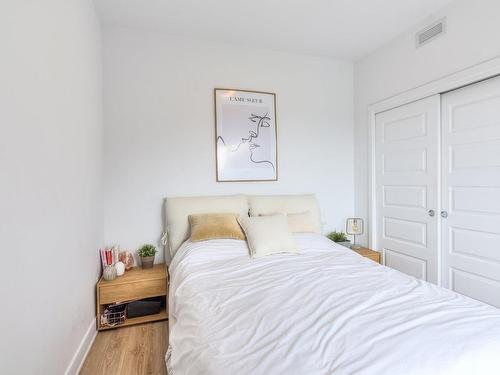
(147,262)
(345,244)
(109,273)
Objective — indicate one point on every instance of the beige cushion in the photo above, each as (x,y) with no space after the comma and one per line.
(212,226)
(268,235)
(287,204)
(301,222)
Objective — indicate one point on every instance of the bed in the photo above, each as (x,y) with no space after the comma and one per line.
(326,310)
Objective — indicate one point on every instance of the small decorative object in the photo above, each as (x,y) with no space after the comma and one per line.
(109,273)
(147,253)
(245,133)
(120,268)
(127,258)
(354,226)
(339,237)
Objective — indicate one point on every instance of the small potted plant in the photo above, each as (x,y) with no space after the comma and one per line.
(340,238)
(147,253)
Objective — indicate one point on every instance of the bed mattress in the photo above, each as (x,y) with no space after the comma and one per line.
(324,311)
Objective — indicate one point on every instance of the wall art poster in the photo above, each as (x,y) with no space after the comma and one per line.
(246,135)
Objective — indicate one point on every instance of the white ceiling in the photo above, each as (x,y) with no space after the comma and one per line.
(347,29)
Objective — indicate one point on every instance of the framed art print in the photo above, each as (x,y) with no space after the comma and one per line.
(245,135)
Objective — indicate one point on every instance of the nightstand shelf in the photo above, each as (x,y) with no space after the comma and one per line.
(370,254)
(162,315)
(135,284)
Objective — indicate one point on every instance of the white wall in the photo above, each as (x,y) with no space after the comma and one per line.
(159,126)
(50,177)
(473,36)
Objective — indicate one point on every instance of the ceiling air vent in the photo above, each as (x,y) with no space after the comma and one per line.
(431,32)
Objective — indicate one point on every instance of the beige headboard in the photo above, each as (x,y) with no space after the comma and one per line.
(179,208)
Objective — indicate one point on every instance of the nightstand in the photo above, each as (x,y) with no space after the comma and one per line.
(135,284)
(370,254)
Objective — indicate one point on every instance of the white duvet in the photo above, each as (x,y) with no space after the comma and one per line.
(324,311)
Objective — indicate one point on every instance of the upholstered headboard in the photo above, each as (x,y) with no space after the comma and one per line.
(178,210)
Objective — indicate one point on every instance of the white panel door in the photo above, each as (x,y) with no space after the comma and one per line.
(471,191)
(406,184)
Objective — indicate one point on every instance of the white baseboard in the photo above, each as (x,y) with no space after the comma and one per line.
(83,349)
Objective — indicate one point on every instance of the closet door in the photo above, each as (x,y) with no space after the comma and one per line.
(471,191)
(406,184)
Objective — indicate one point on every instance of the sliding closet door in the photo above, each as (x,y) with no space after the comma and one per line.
(471,191)
(406,183)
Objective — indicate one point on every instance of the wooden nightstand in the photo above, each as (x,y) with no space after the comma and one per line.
(135,284)
(368,253)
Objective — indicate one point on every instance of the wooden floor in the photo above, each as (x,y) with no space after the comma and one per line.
(133,350)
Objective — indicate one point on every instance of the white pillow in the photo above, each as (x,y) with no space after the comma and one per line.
(268,235)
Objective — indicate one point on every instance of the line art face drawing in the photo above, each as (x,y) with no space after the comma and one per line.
(245,136)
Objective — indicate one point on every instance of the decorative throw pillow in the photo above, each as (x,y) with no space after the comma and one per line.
(299,222)
(268,235)
(213,226)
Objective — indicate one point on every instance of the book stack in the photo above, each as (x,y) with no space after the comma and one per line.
(109,256)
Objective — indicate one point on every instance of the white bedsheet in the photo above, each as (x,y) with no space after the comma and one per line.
(325,311)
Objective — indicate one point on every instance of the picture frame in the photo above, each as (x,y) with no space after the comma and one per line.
(246,135)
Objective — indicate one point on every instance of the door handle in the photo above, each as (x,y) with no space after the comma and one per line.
(431,213)
(444,214)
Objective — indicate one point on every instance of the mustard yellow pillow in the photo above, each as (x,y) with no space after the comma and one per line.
(212,226)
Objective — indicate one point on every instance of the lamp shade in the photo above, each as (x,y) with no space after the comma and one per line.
(354,226)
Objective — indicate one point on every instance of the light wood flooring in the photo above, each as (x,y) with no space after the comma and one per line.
(133,350)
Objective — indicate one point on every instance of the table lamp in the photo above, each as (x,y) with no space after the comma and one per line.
(354,227)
